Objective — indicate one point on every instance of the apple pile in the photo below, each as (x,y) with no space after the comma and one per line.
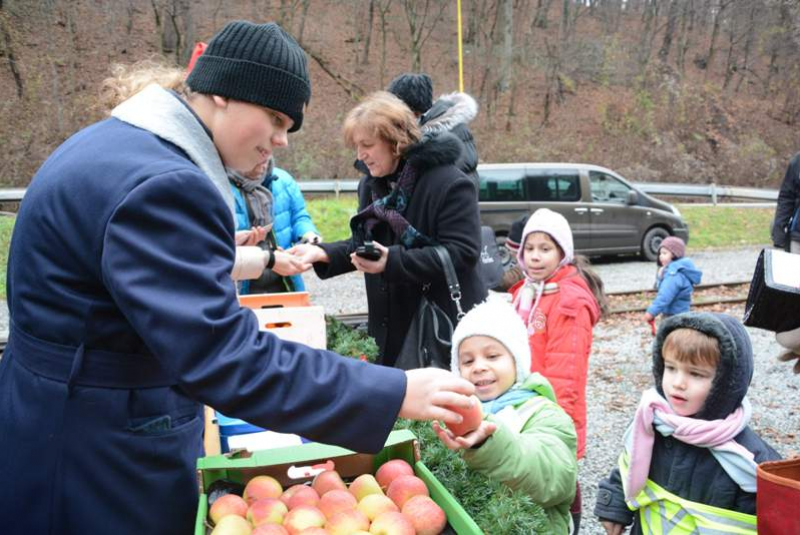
(392,502)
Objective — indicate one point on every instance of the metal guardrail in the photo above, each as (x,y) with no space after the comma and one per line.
(712,191)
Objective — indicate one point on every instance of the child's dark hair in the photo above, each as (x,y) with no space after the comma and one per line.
(594,281)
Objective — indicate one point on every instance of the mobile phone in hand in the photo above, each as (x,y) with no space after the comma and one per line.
(368,251)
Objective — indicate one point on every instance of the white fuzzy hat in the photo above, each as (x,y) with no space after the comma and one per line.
(497,319)
(554,224)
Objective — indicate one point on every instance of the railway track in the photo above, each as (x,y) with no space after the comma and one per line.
(622,302)
(628,301)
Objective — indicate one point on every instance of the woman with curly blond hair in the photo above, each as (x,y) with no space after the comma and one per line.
(412,198)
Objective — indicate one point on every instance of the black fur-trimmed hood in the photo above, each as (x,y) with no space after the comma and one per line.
(434,150)
(735,370)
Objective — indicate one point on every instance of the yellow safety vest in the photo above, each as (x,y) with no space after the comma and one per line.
(662,512)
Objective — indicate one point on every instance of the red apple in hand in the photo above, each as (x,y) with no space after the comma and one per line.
(472,418)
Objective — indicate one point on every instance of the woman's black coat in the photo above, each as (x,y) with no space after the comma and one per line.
(444,208)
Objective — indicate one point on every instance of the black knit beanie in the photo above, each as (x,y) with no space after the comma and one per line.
(256,63)
(416,90)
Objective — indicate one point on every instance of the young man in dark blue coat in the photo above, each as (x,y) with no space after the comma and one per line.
(125,321)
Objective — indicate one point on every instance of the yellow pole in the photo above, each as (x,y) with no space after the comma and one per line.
(460,53)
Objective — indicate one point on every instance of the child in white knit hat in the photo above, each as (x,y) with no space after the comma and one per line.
(526,440)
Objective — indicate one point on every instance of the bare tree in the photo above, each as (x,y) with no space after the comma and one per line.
(540,19)
(669,31)
(7,50)
(650,19)
(748,44)
(368,38)
(610,14)
(422,18)
(383,12)
(506,56)
(719,13)
(303,15)
(686,31)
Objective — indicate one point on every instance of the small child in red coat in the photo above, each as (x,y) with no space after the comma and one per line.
(560,300)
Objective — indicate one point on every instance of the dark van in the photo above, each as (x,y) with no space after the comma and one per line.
(608,215)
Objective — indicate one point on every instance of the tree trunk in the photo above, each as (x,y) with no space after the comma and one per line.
(8,49)
(420,26)
(383,10)
(368,39)
(684,39)
(714,33)
(748,45)
(303,15)
(669,31)
(540,19)
(646,38)
(506,57)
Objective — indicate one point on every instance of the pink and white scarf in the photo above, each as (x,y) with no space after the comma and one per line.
(655,413)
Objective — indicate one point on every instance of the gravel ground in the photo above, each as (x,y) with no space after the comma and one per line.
(620,362)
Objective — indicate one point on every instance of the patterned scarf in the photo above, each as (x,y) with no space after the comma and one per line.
(257,197)
(390,208)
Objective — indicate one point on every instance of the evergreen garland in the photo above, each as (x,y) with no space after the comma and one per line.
(493,506)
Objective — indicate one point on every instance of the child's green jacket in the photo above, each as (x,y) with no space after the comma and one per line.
(533,451)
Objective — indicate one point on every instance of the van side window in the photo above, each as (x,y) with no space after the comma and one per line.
(606,188)
(501,185)
(554,186)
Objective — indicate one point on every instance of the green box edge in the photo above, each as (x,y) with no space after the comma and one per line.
(461,522)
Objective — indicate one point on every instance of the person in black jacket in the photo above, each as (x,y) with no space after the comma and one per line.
(450,113)
(412,198)
(787,213)
(690,436)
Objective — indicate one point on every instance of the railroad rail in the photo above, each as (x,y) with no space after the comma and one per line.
(701,299)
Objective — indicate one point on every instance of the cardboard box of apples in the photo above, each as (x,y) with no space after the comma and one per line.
(316,489)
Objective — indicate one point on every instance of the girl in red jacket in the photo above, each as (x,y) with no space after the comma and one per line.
(560,300)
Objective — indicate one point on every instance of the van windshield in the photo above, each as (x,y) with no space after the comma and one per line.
(606,188)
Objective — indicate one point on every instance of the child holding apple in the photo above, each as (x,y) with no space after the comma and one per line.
(526,441)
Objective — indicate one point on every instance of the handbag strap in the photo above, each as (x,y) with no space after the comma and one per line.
(450,276)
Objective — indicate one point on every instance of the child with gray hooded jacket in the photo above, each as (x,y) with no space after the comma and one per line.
(689,458)
(525,441)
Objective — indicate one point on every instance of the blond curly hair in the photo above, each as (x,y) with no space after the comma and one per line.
(385,116)
(127,80)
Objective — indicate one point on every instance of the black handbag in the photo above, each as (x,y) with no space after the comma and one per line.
(490,265)
(773,302)
(429,339)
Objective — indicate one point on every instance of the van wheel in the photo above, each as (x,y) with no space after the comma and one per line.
(652,242)
(502,251)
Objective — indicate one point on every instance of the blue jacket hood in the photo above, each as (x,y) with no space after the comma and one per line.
(687,267)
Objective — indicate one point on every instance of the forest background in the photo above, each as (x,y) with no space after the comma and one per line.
(693,91)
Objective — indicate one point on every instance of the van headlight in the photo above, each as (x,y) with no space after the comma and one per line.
(675,210)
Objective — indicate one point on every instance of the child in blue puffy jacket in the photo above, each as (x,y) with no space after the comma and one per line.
(675,282)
